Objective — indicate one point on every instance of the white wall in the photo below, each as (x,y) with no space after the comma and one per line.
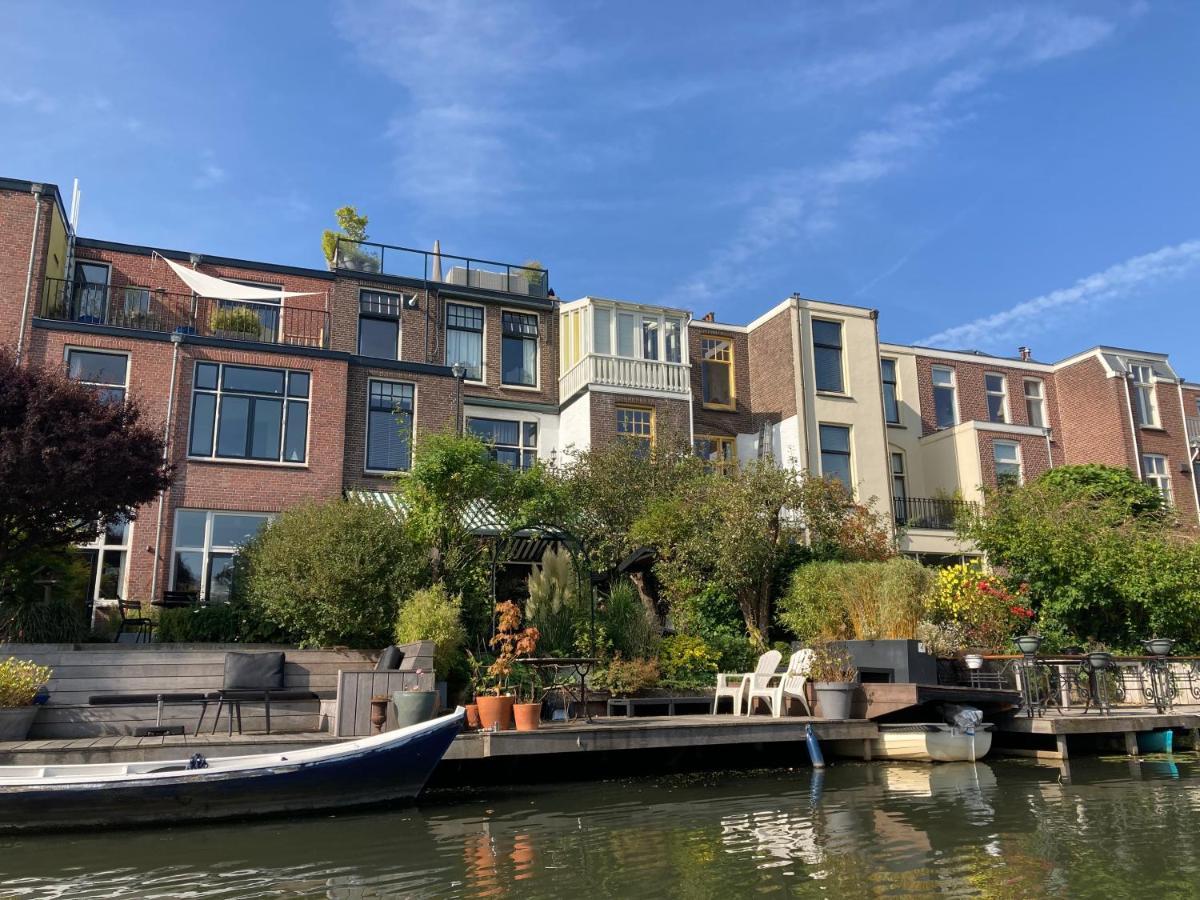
(575,425)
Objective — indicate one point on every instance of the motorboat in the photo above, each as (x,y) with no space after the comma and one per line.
(932,742)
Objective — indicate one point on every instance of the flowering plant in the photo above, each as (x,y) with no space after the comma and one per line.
(510,641)
(20,680)
(987,611)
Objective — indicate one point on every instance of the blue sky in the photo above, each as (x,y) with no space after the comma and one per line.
(986,175)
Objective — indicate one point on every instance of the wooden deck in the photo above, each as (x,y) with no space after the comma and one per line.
(1050,736)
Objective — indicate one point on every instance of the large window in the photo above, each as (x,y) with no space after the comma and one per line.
(1035,402)
(636,423)
(945,401)
(720,453)
(464,338)
(389,425)
(244,412)
(519,349)
(891,394)
(835,453)
(379,324)
(827,355)
(1144,402)
(602,330)
(108,373)
(108,561)
(899,487)
(716,372)
(673,340)
(996,386)
(205,545)
(1155,471)
(90,292)
(1007,457)
(510,442)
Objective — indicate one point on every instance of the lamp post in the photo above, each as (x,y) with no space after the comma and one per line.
(460,372)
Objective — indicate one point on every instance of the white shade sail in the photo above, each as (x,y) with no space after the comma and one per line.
(220,289)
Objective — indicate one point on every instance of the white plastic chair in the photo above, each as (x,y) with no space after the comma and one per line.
(734,685)
(789,684)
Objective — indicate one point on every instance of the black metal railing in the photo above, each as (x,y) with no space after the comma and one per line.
(385,259)
(929,512)
(155,310)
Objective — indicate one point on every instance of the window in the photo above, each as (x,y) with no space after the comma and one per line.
(637,424)
(996,386)
(244,412)
(518,350)
(827,355)
(649,338)
(835,453)
(379,324)
(601,328)
(626,324)
(720,453)
(716,372)
(205,545)
(945,401)
(1154,470)
(108,561)
(108,373)
(89,295)
(389,425)
(899,487)
(891,404)
(673,340)
(1035,402)
(464,338)
(1144,402)
(1007,457)
(510,442)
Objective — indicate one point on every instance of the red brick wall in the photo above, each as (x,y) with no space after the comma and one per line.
(415,324)
(1094,416)
(670,416)
(1171,441)
(1034,459)
(772,371)
(718,421)
(16,232)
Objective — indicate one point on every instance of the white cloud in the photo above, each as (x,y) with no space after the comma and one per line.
(210,176)
(1041,312)
(29,98)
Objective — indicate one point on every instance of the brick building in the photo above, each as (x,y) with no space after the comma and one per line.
(286,383)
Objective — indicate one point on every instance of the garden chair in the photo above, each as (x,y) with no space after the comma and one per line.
(789,684)
(733,685)
(133,621)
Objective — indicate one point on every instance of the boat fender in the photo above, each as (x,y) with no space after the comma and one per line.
(197,762)
(814,748)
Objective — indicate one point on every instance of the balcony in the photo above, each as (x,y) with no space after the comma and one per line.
(634,375)
(933,513)
(152,310)
(444,268)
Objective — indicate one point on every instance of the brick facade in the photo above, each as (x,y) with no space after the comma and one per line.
(671,417)
(772,370)
(712,420)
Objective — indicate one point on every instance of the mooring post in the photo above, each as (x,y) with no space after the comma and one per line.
(1131,746)
(1061,741)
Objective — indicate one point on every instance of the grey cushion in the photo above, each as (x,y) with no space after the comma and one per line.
(254,671)
(390,659)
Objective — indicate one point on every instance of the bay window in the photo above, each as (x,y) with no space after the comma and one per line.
(251,413)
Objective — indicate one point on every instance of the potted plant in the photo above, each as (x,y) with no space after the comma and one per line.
(1098,655)
(527,710)
(510,642)
(414,705)
(20,681)
(236,322)
(1028,643)
(973,660)
(476,684)
(834,679)
(1159,646)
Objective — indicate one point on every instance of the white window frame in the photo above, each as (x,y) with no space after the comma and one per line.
(1002,393)
(952,386)
(639,314)
(521,447)
(404,299)
(101,544)
(537,356)
(70,348)
(208,549)
(1039,399)
(1156,470)
(1019,459)
(1144,388)
(367,427)
(219,391)
(483,338)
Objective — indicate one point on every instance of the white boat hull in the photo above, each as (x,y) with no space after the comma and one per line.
(933,743)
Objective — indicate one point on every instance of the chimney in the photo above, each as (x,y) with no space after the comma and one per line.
(1026,353)
(709,317)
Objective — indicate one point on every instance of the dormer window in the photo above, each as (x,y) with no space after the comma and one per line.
(1145,404)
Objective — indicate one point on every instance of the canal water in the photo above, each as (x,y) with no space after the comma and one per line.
(997,829)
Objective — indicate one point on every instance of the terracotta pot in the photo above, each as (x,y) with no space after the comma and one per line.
(528,716)
(495,713)
(472,715)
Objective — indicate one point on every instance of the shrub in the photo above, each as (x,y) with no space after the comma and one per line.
(735,653)
(330,573)
(237,319)
(625,677)
(687,661)
(627,624)
(54,621)
(858,600)
(831,664)
(20,680)
(707,611)
(220,623)
(553,605)
(433,614)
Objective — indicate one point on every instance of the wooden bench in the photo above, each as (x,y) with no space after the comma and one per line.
(632,704)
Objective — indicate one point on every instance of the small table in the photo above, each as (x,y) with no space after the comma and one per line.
(632,704)
(581,666)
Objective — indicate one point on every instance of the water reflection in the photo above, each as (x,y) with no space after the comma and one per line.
(997,829)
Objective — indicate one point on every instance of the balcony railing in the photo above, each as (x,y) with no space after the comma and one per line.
(631,374)
(929,512)
(384,259)
(152,310)
(1193,429)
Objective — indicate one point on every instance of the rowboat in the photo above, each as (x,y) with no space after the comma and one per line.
(932,742)
(388,767)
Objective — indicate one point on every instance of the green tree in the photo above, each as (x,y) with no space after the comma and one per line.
(353,227)
(434,614)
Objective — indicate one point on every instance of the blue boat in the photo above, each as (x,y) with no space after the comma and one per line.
(389,767)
